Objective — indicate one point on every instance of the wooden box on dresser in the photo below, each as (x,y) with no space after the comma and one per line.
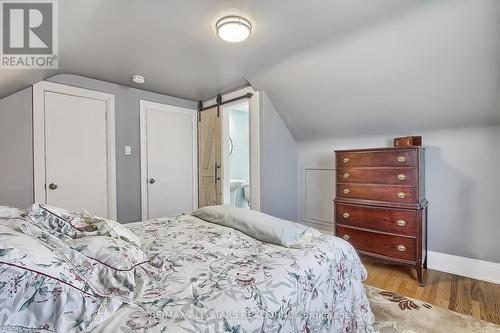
(380,206)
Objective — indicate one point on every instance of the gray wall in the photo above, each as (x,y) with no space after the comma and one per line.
(16,143)
(462,185)
(278,164)
(16,149)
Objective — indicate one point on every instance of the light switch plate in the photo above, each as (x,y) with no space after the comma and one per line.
(128,150)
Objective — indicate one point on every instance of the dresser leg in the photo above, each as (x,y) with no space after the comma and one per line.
(420,275)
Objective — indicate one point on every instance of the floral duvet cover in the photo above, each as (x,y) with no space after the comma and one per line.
(217,279)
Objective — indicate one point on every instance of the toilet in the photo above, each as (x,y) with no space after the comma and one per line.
(246,193)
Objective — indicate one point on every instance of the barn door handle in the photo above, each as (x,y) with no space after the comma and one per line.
(217,178)
(152,180)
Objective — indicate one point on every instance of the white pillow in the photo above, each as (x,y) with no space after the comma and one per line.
(258,225)
(12,213)
(12,217)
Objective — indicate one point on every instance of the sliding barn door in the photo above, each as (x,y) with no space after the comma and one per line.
(209,158)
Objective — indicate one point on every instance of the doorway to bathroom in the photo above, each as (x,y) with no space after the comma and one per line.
(220,145)
(236,131)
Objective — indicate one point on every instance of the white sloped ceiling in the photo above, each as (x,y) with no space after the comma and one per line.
(436,66)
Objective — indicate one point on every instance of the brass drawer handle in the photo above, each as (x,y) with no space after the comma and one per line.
(401,248)
(401,223)
(346,175)
(346,160)
(347,191)
(401,195)
(346,237)
(401,177)
(346,215)
(401,159)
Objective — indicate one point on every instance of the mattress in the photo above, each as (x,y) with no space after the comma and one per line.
(221,280)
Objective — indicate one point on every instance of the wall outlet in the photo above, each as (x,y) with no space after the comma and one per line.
(128,150)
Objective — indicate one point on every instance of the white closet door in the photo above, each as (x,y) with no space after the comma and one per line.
(74,153)
(168,153)
(76,157)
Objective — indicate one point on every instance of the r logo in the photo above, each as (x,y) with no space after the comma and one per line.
(27,28)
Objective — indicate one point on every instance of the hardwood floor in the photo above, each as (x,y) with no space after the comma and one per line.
(468,296)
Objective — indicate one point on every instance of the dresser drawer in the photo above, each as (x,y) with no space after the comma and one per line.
(391,246)
(397,194)
(377,158)
(396,221)
(386,176)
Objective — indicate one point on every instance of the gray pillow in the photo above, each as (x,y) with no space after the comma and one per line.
(258,225)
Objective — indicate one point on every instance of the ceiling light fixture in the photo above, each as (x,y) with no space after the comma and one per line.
(233,28)
(138,79)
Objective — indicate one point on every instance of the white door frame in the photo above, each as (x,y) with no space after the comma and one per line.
(254,110)
(226,192)
(39,149)
(144,105)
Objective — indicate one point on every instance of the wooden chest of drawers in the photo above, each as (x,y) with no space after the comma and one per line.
(380,206)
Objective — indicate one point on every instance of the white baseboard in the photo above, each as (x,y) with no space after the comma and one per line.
(468,267)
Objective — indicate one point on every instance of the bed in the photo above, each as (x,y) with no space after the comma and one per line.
(208,278)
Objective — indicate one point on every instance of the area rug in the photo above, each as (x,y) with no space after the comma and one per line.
(400,314)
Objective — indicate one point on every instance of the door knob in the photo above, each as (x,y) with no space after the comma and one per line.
(152,180)
(52,186)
